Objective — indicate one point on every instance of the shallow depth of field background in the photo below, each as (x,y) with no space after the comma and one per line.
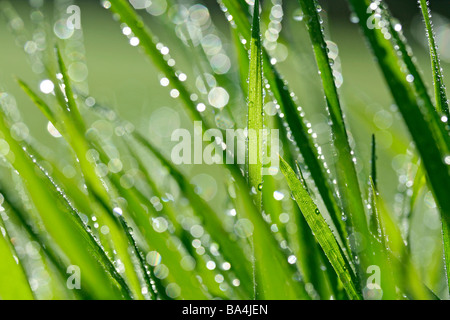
(122,77)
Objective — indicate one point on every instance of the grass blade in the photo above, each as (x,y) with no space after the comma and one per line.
(255,111)
(14,282)
(66,229)
(231,249)
(350,192)
(20,217)
(322,232)
(438,79)
(141,31)
(73,131)
(430,136)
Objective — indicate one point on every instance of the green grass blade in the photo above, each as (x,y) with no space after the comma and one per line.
(164,244)
(438,79)
(398,258)
(381,259)
(231,249)
(20,217)
(423,122)
(322,232)
(74,130)
(373,162)
(350,192)
(119,232)
(438,126)
(311,259)
(141,31)
(74,134)
(128,16)
(118,227)
(161,242)
(13,279)
(66,228)
(43,107)
(255,111)
(185,236)
(274,276)
(68,93)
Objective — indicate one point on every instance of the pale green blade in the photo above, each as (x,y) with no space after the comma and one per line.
(255,111)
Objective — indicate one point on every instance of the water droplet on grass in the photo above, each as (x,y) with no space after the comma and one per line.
(153,258)
(244,228)
(118,211)
(292,259)
(46,86)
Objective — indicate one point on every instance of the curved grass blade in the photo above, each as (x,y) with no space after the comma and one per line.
(441,106)
(74,123)
(438,79)
(141,31)
(322,232)
(74,134)
(72,108)
(20,217)
(438,126)
(66,228)
(134,21)
(71,125)
(311,258)
(185,236)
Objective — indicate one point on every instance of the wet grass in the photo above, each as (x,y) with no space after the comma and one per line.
(105,212)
